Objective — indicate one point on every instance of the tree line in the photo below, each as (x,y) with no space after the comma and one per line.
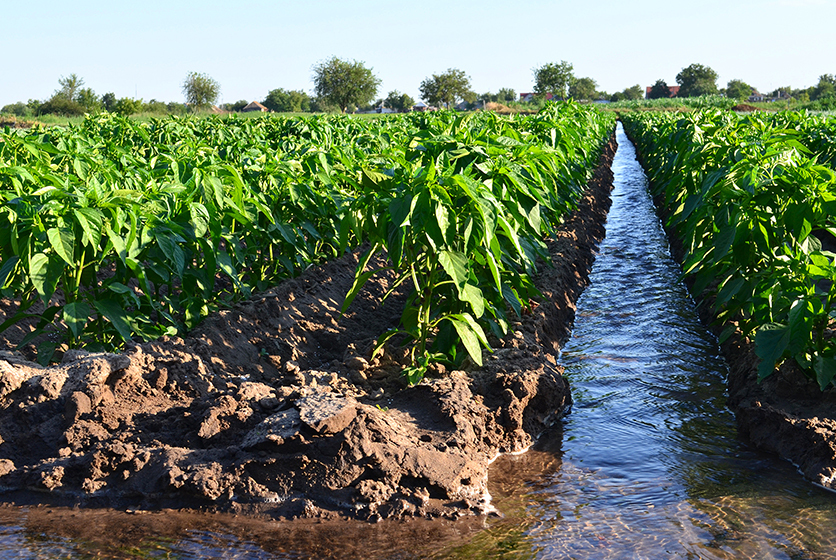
(349,85)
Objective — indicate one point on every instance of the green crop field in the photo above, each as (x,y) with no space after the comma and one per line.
(116,229)
(750,198)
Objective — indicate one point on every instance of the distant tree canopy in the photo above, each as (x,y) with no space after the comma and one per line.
(506,95)
(583,88)
(69,86)
(287,101)
(633,92)
(738,89)
(200,90)
(825,89)
(553,78)
(630,93)
(127,106)
(696,80)
(398,101)
(344,83)
(659,90)
(446,88)
(235,107)
(109,101)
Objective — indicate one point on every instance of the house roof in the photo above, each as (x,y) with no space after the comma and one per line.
(254,106)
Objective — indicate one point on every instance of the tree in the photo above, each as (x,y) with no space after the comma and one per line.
(696,80)
(446,88)
(287,101)
(738,89)
(127,106)
(506,95)
(583,88)
(109,101)
(633,92)
(398,101)
(88,99)
(69,87)
(826,87)
(659,90)
(19,109)
(155,106)
(235,107)
(200,90)
(553,78)
(344,83)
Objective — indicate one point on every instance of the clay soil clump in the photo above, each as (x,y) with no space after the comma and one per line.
(275,407)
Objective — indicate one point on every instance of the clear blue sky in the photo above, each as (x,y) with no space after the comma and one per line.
(145,49)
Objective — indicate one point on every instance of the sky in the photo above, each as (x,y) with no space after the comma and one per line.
(146,49)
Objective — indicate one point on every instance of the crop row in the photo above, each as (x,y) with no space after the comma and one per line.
(749,200)
(114,230)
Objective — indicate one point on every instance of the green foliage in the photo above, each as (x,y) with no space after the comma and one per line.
(60,105)
(109,101)
(235,107)
(344,83)
(200,90)
(287,101)
(155,107)
(127,106)
(633,92)
(19,109)
(583,88)
(825,89)
(398,101)
(127,230)
(738,89)
(446,88)
(659,90)
(88,99)
(676,103)
(462,214)
(70,85)
(506,95)
(696,80)
(553,78)
(749,203)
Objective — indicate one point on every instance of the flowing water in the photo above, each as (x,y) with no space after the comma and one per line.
(647,465)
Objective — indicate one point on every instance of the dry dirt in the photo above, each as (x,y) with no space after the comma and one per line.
(275,407)
(786,414)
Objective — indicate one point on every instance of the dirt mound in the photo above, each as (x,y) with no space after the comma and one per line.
(786,414)
(745,108)
(498,108)
(275,406)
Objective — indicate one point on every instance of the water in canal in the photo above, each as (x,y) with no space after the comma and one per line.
(647,465)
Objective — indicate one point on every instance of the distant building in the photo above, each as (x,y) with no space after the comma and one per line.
(755,96)
(672,90)
(421,107)
(254,106)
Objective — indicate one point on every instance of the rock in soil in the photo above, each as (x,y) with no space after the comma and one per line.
(276,407)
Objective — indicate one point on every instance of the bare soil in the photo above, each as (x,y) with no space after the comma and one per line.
(786,414)
(276,408)
(745,108)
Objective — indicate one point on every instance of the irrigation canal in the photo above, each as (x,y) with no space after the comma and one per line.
(648,464)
